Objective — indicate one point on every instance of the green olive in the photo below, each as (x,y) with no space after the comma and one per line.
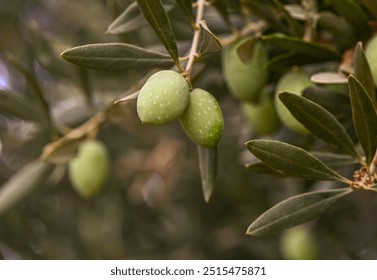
(89,170)
(203,120)
(244,68)
(371,55)
(262,116)
(293,82)
(163,98)
(298,244)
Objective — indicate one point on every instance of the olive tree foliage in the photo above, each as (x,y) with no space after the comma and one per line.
(245,47)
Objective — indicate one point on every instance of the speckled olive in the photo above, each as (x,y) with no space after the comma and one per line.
(89,170)
(203,120)
(163,98)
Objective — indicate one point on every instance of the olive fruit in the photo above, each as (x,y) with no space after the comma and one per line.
(262,116)
(203,120)
(298,244)
(371,55)
(244,68)
(163,98)
(89,170)
(293,82)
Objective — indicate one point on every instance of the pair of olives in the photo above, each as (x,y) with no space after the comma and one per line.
(166,97)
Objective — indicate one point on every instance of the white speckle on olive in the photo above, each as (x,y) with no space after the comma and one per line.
(163,98)
(201,126)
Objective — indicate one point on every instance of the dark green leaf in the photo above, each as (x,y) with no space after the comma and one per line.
(298,45)
(293,25)
(364,118)
(208,170)
(12,105)
(130,20)
(186,6)
(210,43)
(354,14)
(334,160)
(221,7)
(22,184)
(295,210)
(371,5)
(115,56)
(262,168)
(265,10)
(292,160)
(362,72)
(155,14)
(318,121)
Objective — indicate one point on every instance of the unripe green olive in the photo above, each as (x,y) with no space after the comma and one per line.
(89,170)
(298,244)
(293,82)
(371,55)
(163,98)
(203,120)
(244,68)
(262,116)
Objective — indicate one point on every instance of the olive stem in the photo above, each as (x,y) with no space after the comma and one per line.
(200,5)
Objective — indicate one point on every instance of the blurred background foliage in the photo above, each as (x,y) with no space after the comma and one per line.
(153,207)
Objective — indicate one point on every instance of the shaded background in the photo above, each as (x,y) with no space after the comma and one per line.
(153,206)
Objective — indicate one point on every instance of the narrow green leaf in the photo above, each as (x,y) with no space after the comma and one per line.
(318,121)
(354,14)
(210,43)
(292,160)
(334,160)
(265,10)
(130,20)
(295,210)
(155,14)
(364,117)
(362,72)
(22,184)
(12,105)
(186,6)
(115,56)
(208,170)
(298,45)
(371,6)
(222,8)
(331,78)
(262,168)
(294,26)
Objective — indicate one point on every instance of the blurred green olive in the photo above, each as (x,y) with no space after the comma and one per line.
(293,82)
(89,170)
(244,68)
(298,244)
(371,55)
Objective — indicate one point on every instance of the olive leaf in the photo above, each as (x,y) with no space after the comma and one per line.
(260,167)
(208,170)
(371,6)
(222,8)
(329,78)
(210,43)
(115,56)
(364,118)
(333,160)
(292,160)
(12,105)
(265,10)
(23,183)
(186,6)
(298,45)
(318,121)
(130,20)
(362,72)
(295,210)
(156,15)
(354,14)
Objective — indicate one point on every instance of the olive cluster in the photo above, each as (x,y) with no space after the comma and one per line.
(166,97)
